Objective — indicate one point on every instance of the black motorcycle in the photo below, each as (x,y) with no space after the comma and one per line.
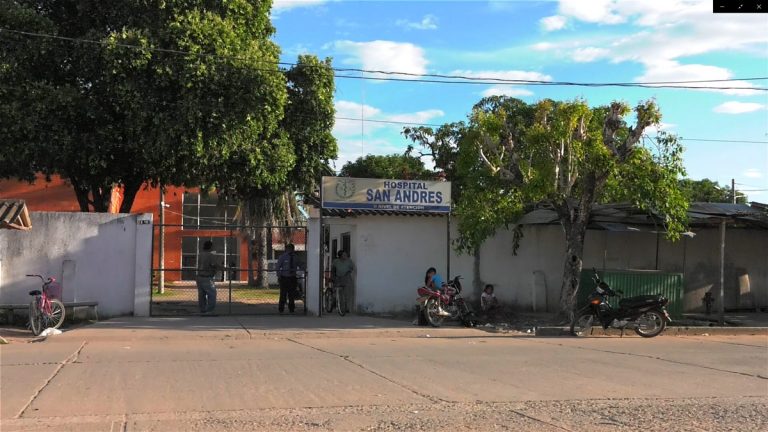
(645,314)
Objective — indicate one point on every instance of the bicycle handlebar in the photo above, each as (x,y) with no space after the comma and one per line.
(41,278)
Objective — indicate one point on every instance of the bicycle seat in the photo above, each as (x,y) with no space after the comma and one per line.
(35,293)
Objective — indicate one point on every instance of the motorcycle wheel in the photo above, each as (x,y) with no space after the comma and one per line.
(582,325)
(651,324)
(431,309)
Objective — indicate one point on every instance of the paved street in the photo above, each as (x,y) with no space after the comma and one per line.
(265,374)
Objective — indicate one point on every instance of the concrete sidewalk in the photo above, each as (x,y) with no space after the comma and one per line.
(247,327)
(227,327)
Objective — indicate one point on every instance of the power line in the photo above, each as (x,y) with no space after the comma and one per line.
(438,78)
(551,83)
(407,123)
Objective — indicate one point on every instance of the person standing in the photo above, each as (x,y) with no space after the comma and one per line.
(286,273)
(342,269)
(207,265)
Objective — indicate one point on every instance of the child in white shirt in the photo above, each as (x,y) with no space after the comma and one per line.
(488,301)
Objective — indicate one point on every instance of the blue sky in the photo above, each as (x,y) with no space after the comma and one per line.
(565,40)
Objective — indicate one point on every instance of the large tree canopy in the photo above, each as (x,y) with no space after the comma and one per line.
(395,166)
(184,92)
(513,154)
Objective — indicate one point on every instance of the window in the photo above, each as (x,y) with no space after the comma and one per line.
(226,250)
(207,212)
(346,244)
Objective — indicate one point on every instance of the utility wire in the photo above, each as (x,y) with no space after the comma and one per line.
(404,123)
(437,78)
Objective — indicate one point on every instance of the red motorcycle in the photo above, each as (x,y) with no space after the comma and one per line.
(435,306)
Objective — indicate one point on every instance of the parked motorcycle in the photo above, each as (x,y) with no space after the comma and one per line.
(646,314)
(436,306)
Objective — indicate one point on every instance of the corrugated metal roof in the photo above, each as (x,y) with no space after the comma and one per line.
(14,215)
(624,217)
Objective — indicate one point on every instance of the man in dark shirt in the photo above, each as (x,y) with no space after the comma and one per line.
(207,266)
(286,273)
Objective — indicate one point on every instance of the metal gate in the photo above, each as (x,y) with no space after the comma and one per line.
(248,282)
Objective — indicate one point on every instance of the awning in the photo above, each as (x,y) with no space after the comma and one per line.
(14,215)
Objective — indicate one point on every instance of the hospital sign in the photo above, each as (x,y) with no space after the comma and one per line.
(380,194)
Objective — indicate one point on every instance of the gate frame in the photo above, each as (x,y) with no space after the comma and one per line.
(234,230)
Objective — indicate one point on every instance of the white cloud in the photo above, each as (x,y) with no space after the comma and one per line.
(589,54)
(506,91)
(417,117)
(354,110)
(283,5)
(510,75)
(593,11)
(385,56)
(669,30)
(654,129)
(543,46)
(753,173)
(670,70)
(552,23)
(734,107)
(351,149)
(429,22)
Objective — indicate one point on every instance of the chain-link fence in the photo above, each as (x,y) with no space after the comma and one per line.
(247,281)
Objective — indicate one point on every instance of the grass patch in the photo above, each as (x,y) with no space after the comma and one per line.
(243,294)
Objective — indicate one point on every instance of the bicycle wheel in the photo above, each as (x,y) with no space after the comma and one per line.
(35,318)
(329,300)
(56,317)
(341,305)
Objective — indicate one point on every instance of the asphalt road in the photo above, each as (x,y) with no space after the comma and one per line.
(204,379)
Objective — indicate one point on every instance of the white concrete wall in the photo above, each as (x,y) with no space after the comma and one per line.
(96,257)
(393,252)
(313,267)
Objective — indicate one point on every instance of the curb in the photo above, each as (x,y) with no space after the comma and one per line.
(670,331)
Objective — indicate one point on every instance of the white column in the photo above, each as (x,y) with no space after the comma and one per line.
(143,271)
(313,267)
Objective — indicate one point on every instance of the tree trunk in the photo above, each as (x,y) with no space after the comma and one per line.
(477,283)
(574,216)
(575,233)
(262,214)
(82,195)
(90,196)
(130,189)
(249,237)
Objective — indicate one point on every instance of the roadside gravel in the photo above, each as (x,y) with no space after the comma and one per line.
(668,415)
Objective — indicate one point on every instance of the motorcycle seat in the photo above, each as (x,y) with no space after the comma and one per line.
(640,301)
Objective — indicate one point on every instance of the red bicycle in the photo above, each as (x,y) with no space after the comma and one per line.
(46,310)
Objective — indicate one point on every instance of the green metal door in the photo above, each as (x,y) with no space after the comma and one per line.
(635,283)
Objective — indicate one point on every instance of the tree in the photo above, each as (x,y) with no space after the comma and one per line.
(308,122)
(706,190)
(395,166)
(568,155)
(183,92)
